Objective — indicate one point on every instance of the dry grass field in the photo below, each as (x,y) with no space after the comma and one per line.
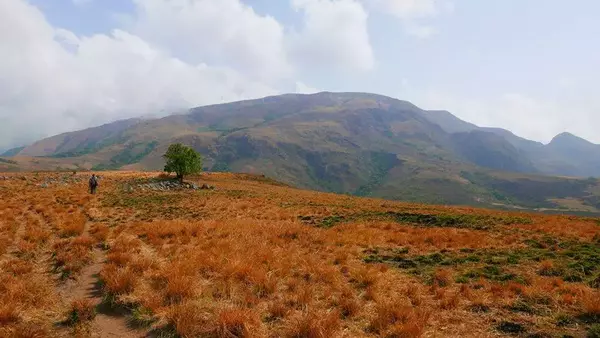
(253,258)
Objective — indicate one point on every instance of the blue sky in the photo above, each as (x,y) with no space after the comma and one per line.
(526,65)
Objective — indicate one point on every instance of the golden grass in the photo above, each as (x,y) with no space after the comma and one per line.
(240,262)
(82,310)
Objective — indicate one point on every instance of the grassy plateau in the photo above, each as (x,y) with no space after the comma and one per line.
(255,258)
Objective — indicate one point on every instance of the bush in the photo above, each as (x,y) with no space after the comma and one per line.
(594,331)
(564,319)
(511,328)
(142,317)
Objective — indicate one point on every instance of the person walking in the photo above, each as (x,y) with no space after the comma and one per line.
(93,184)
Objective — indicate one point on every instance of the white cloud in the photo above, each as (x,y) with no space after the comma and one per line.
(224,32)
(169,55)
(302,88)
(531,117)
(410,9)
(53,81)
(412,13)
(420,31)
(334,36)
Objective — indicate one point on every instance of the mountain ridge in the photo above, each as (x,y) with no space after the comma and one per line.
(429,113)
(358,143)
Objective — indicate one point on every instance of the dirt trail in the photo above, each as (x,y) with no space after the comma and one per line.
(108,322)
(14,248)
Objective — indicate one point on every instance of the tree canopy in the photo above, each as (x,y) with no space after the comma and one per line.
(182,160)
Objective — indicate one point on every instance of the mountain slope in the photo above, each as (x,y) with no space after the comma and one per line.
(490,150)
(80,142)
(356,143)
(12,152)
(449,122)
(570,155)
(566,154)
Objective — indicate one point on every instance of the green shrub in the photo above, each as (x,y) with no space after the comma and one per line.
(594,331)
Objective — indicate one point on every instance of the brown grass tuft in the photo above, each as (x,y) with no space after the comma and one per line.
(412,329)
(28,330)
(189,320)
(348,306)
(442,277)
(314,325)
(100,232)
(236,323)
(394,314)
(364,277)
(9,314)
(591,304)
(414,294)
(450,302)
(179,288)
(18,267)
(117,281)
(276,310)
(82,310)
(72,254)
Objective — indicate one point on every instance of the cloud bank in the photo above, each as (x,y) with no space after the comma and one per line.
(172,55)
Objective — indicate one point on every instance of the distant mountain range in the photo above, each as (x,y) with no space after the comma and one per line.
(566,154)
(357,143)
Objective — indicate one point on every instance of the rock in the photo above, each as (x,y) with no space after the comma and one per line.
(44,185)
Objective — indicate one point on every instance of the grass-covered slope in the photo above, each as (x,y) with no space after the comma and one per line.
(253,257)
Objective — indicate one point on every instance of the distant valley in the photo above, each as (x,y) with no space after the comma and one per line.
(354,143)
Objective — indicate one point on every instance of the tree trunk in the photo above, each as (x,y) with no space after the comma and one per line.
(180,178)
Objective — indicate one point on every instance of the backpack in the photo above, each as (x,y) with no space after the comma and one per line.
(93,182)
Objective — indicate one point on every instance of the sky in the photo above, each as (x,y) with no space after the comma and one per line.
(530,66)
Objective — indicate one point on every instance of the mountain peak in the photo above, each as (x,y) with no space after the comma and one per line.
(449,122)
(567,138)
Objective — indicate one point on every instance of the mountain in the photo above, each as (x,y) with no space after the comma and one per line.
(565,155)
(12,152)
(80,143)
(357,143)
(490,150)
(449,122)
(568,154)
(453,124)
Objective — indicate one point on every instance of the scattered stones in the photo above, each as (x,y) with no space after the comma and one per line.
(64,180)
(169,185)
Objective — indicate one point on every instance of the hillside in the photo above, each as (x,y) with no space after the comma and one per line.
(356,143)
(254,258)
(490,150)
(565,155)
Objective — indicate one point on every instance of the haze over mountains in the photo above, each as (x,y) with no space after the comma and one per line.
(356,143)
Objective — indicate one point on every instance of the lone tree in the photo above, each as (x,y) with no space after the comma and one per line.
(182,160)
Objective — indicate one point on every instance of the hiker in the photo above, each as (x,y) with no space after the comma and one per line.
(93,184)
